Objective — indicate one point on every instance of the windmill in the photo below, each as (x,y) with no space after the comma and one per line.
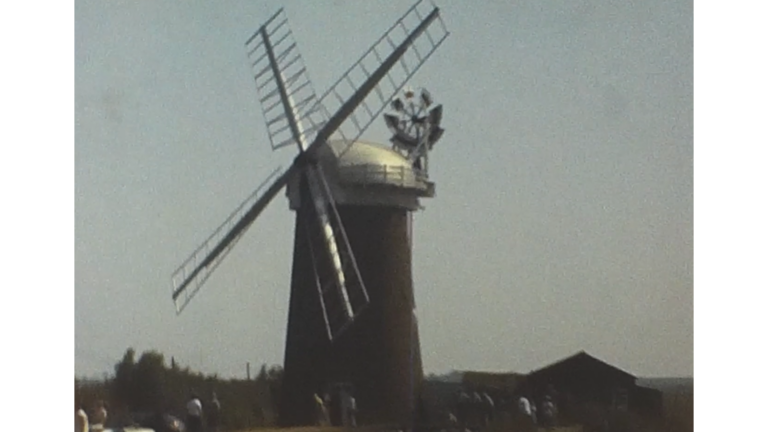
(351,315)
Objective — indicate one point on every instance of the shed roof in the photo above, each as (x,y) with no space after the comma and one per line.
(580,356)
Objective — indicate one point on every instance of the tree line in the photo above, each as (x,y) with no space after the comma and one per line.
(150,385)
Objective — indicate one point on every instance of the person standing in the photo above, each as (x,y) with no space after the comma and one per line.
(352,405)
(490,407)
(348,407)
(99,418)
(477,409)
(524,407)
(328,407)
(462,407)
(194,414)
(213,415)
(549,412)
(81,418)
(321,412)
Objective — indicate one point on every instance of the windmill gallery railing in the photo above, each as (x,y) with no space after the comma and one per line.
(390,175)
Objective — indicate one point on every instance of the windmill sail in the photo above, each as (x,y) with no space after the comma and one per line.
(360,95)
(342,291)
(345,295)
(286,93)
(195,270)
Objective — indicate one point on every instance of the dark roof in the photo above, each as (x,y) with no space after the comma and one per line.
(579,356)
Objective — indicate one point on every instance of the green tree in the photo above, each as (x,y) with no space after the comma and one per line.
(149,378)
(149,385)
(123,387)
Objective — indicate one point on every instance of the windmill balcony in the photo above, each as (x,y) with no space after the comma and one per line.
(399,176)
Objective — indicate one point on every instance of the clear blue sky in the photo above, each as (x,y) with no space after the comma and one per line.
(564,214)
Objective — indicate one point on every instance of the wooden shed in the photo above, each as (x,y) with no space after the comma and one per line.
(581,383)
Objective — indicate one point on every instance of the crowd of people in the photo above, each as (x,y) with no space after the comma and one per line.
(477,409)
(94,422)
(203,418)
(337,407)
(541,414)
(199,417)
(474,408)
